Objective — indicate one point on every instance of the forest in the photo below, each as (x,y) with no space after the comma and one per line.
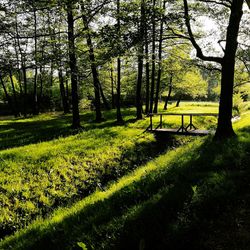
(84,161)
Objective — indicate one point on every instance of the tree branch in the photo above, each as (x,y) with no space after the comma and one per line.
(218,2)
(199,52)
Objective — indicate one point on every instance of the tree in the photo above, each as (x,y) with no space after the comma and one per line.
(227,62)
(73,66)
(140,62)
(118,95)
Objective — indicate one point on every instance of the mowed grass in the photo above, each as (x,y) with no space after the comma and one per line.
(192,197)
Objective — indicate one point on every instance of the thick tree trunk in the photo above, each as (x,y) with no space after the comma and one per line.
(153,61)
(159,63)
(73,68)
(140,64)
(224,128)
(169,92)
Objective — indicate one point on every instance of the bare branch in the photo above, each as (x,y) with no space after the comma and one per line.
(218,2)
(199,52)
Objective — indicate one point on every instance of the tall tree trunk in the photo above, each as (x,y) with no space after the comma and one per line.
(224,128)
(140,64)
(73,67)
(8,98)
(160,61)
(41,86)
(35,99)
(169,92)
(147,72)
(104,99)
(118,95)
(112,86)
(23,68)
(14,104)
(18,66)
(93,69)
(63,93)
(153,62)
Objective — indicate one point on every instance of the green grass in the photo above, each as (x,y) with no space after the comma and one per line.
(193,197)
(47,165)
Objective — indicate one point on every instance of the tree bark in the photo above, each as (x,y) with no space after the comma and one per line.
(158,83)
(112,86)
(96,81)
(8,98)
(153,62)
(73,67)
(169,92)
(104,99)
(14,104)
(178,101)
(140,64)
(224,128)
(118,95)
(147,73)
(23,68)
(63,93)
(35,99)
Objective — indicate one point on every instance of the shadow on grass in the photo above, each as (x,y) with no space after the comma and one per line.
(21,132)
(191,203)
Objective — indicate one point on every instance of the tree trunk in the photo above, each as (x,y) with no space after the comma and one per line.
(104,99)
(15,105)
(224,128)
(35,100)
(8,98)
(96,81)
(178,101)
(63,93)
(160,62)
(140,64)
(169,92)
(23,68)
(153,62)
(147,72)
(118,95)
(73,68)
(112,87)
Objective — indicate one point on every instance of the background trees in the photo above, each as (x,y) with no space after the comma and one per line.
(57,54)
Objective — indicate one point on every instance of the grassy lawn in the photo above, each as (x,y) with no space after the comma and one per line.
(175,200)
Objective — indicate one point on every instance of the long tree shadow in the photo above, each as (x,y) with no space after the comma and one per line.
(21,132)
(170,208)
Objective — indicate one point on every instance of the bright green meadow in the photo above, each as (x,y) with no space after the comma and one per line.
(116,187)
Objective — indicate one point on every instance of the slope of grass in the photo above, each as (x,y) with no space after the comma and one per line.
(192,197)
(60,168)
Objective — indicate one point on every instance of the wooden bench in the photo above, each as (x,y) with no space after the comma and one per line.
(190,129)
